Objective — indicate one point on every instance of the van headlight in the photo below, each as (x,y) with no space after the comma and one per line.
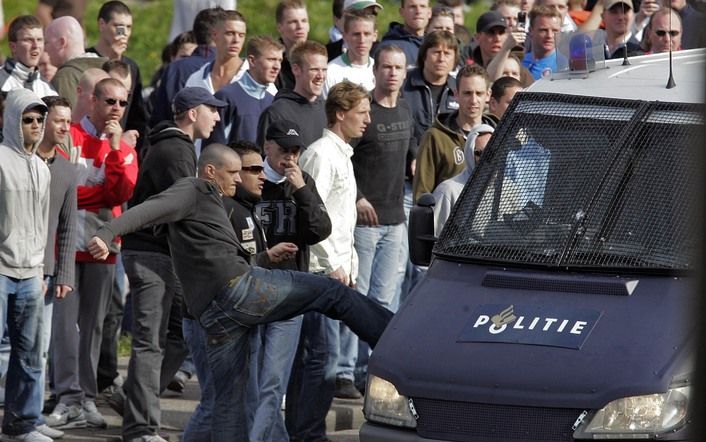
(639,417)
(385,405)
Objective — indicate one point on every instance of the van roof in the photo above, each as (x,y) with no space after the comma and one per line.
(644,79)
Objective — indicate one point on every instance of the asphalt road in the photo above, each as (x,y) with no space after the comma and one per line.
(343,420)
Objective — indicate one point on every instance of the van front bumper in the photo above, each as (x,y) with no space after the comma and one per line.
(370,432)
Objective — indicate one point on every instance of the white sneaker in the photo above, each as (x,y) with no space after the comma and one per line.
(93,417)
(32,436)
(49,431)
(66,416)
(148,438)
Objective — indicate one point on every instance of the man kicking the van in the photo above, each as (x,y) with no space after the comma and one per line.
(216,279)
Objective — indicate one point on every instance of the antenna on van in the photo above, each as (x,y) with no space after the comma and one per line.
(670,83)
(626,62)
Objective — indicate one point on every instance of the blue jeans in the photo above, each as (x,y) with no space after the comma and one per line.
(22,307)
(199,427)
(379,278)
(262,296)
(46,336)
(413,273)
(313,381)
(272,350)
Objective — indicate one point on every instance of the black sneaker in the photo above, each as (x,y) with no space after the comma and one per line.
(49,404)
(116,401)
(345,389)
(179,382)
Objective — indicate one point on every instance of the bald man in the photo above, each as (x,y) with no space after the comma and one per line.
(84,92)
(65,44)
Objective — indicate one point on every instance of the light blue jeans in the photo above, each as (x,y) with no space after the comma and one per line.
(263,296)
(46,335)
(272,350)
(21,308)
(379,278)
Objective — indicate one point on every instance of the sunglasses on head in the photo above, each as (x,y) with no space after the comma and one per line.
(112,101)
(662,33)
(30,120)
(254,169)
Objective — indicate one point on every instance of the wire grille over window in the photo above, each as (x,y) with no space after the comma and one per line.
(583,182)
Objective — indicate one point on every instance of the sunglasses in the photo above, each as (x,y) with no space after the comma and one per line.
(253,169)
(30,120)
(113,101)
(662,33)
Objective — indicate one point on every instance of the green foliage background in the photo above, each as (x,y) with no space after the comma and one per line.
(152,19)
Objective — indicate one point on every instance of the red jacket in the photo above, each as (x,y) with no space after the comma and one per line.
(106,179)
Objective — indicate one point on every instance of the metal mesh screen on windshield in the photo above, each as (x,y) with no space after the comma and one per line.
(583,182)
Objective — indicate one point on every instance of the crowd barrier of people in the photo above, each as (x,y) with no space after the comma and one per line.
(243,216)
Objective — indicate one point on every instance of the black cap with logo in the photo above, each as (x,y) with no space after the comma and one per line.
(285,134)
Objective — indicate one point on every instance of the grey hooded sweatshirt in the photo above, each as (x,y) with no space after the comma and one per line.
(24,194)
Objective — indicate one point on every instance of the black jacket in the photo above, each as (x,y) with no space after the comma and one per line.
(170,157)
(241,213)
(205,250)
(418,96)
(399,36)
(297,216)
(285,79)
(288,105)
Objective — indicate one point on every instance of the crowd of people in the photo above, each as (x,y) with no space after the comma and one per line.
(256,203)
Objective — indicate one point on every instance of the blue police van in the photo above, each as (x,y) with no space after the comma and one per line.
(557,305)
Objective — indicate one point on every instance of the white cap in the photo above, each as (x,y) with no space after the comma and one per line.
(359,5)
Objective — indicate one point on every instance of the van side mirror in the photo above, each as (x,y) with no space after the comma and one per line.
(421,230)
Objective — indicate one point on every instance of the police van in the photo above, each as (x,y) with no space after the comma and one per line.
(557,302)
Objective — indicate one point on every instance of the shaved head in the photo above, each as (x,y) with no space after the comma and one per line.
(84,92)
(64,39)
(215,154)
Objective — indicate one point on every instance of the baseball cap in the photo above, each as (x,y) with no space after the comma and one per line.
(190,97)
(285,133)
(39,107)
(490,20)
(359,5)
(607,4)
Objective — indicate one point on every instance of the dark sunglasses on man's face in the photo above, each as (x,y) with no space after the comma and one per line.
(30,120)
(112,101)
(662,33)
(255,169)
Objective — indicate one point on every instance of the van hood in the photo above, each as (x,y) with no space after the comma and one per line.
(573,340)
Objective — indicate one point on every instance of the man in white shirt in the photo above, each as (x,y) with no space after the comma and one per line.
(328,161)
(356,64)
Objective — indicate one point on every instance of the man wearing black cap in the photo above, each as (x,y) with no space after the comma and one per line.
(154,287)
(491,33)
(291,210)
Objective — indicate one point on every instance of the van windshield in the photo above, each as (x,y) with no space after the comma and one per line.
(572,181)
